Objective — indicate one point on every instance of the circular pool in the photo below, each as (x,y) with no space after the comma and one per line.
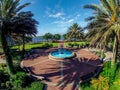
(61,54)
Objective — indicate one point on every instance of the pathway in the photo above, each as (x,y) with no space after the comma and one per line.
(74,71)
(109,54)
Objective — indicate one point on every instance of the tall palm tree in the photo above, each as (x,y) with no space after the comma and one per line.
(105,24)
(24,26)
(75,32)
(8,10)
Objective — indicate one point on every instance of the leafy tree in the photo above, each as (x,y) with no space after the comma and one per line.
(48,36)
(56,36)
(75,32)
(65,36)
(8,10)
(105,25)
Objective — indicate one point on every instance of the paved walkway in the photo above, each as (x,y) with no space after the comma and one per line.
(63,76)
(109,54)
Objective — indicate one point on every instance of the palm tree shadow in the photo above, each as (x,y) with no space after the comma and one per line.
(74,74)
(74,71)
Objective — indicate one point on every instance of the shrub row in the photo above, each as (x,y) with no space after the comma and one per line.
(82,45)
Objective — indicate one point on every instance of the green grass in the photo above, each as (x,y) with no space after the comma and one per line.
(33,45)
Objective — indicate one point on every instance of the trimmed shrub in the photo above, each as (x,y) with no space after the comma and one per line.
(36,86)
(19,80)
(47,45)
(70,44)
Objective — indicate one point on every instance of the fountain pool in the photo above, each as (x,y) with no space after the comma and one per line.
(61,54)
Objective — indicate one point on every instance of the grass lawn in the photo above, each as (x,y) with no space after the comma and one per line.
(33,45)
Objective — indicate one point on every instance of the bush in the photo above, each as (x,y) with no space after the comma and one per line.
(4,80)
(50,45)
(116,83)
(36,86)
(82,45)
(70,44)
(19,80)
(37,48)
(3,76)
(17,68)
(76,44)
(86,86)
(47,45)
(3,67)
(109,71)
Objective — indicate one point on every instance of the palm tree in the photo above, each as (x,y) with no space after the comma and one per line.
(101,83)
(105,24)
(75,32)
(24,26)
(8,10)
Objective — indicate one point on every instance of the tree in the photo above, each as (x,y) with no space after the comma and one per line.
(65,36)
(102,83)
(48,36)
(8,10)
(104,26)
(75,32)
(25,26)
(56,37)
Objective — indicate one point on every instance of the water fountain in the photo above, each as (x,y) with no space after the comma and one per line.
(61,53)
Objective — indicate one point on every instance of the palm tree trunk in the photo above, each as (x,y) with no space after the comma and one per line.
(115,50)
(8,56)
(23,49)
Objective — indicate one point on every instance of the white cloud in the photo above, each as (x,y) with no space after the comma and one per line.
(78,15)
(61,19)
(66,20)
(63,23)
(56,15)
(69,21)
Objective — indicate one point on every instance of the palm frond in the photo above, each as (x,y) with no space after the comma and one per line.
(90,18)
(21,7)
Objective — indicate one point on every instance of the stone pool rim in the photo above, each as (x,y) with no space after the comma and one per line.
(61,58)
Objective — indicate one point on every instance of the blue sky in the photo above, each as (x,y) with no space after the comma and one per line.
(55,16)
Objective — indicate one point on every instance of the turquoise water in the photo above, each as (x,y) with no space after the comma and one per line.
(62,54)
